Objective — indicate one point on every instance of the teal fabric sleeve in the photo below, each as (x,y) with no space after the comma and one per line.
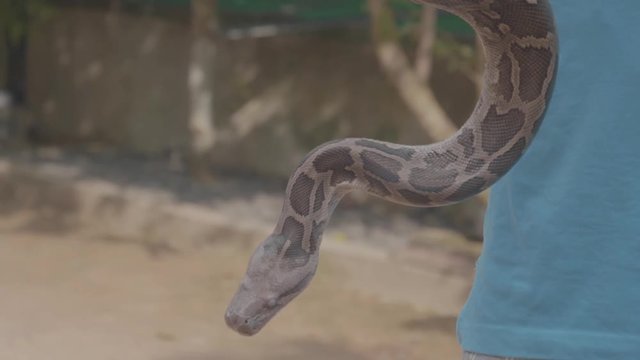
(559,276)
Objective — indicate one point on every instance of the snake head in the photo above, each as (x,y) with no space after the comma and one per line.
(272,280)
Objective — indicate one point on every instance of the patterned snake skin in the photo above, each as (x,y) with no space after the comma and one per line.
(521,54)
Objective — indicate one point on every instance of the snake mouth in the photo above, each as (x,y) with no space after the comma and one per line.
(247,326)
(239,324)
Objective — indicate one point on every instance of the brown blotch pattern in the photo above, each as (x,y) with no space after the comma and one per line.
(503,163)
(342,176)
(301,194)
(377,187)
(504,87)
(414,197)
(316,233)
(318,148)
(332,159)
(474,165)
(319,199)
(468,188)
(486,19)
(524,19)
(432,180)
(534,64)
(403,152)
(467,139)
(381,166)
(337,160)
(498,129)
(441,160)
(294,231)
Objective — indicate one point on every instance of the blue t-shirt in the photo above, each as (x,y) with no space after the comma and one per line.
(559,277)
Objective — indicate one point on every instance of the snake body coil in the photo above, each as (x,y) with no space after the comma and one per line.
(521,53)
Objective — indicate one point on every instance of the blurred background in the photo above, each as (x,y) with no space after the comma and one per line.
(144,150)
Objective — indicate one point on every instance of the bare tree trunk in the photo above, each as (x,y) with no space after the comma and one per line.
(413,85)
(478,65)
(113,15)
(426,40)
(394,62)
(200,83)
(17,56)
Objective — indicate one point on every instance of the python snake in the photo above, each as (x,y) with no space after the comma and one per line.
(521,52)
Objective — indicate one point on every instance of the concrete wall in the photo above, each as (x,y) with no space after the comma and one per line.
(3,61)
(121,81)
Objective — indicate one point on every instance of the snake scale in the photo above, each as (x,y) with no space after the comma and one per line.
(521,52)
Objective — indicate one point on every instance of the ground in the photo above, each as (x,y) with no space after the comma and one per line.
(80,292)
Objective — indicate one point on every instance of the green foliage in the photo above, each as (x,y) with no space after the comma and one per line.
(455,47)
(386,29)
(402,23)
(15,16)
(404,11)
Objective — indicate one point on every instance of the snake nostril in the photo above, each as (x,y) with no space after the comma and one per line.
(232,320)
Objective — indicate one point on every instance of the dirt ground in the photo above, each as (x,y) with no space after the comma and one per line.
(80,295)
(119,258)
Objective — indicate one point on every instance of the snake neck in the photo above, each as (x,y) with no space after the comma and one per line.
(520,47)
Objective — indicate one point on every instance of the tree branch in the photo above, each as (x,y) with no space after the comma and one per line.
(200,84)
(394,62)
(426,39)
